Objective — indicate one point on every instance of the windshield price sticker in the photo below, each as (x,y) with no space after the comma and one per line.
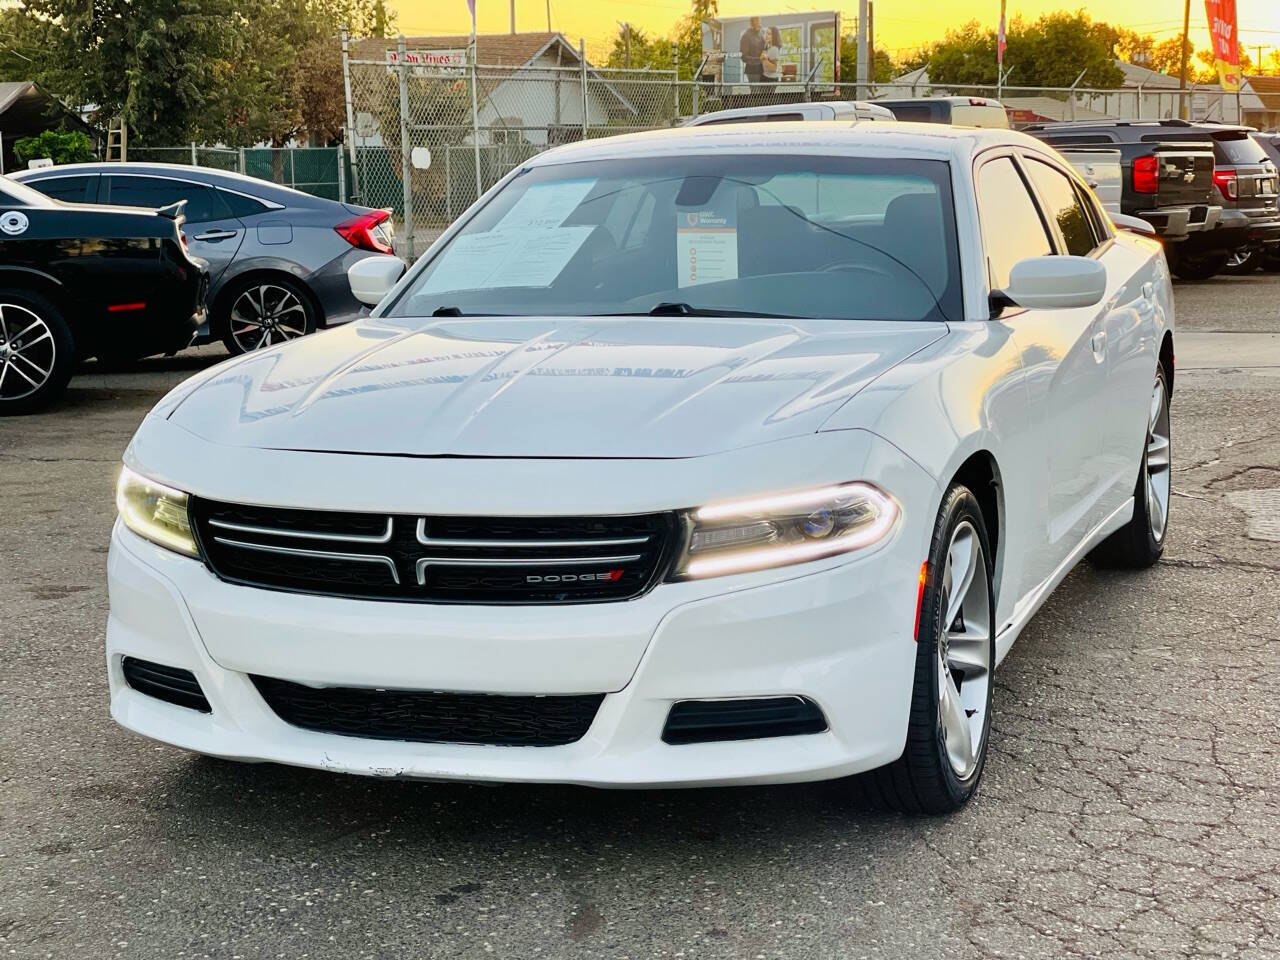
(546,205)
(706,248)
(506,258)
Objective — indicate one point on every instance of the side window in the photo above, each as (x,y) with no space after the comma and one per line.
(70,189)
(203,203)
(1011,226)
(1063,206)
(240,205)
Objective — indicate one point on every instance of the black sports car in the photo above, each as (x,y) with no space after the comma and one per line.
(87,281)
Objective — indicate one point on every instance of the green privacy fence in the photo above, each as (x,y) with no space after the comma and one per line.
(320,171)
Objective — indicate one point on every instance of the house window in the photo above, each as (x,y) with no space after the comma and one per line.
(507,130)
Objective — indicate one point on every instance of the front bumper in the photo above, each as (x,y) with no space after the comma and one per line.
(839,632)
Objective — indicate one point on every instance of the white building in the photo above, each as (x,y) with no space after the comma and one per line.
(529,85)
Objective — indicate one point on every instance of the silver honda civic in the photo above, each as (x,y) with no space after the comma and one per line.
(277,257)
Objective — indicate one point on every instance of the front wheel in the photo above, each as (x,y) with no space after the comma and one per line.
(37,353)
(950,720)
(262,313)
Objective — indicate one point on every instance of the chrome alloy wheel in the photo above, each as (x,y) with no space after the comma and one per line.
(267,314)
(1155,470)
(964,651)
(27,352)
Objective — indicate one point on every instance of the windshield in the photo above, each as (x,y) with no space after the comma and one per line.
(779,236)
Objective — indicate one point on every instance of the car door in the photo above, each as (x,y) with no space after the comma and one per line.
(212,232)
(1065,380)
(1120,333)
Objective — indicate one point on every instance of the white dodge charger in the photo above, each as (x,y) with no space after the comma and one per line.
(708,456)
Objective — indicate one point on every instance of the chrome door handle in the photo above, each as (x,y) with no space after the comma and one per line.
(1148,290)
(215,235)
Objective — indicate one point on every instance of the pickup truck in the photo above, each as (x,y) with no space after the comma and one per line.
(1167,183)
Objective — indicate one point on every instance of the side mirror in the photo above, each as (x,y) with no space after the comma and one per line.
(372,278)
(1133,224)
(1056,283)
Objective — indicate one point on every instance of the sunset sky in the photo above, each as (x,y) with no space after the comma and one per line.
(899,26)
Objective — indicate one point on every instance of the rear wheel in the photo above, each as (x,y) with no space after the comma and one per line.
(950,720)
(1241,263)
(261,313)
(37,353)
(1197,267)
(1140,542)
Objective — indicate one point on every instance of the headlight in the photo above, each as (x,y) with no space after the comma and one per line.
(787,528)
(156,512)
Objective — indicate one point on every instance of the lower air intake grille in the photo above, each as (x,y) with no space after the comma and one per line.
(424,717)
(709,721)
(435,559)
(170,684)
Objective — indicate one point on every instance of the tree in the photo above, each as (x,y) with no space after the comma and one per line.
(69,146)
(1051,52)
(882,69)
(636,51)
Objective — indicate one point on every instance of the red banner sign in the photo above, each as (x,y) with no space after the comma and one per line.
(1226,41)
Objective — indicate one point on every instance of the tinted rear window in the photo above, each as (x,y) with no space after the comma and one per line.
(755,118)
(1240,148)
(1079,138)
(920,112)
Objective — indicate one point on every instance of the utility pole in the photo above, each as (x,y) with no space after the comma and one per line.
(1258,64)
(1182,69)
(513,16)
(548,16)
(863,17)
(626,44)
(871,41)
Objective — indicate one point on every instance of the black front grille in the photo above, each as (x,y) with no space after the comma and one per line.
(483,560)
(426,717)
(170,684)
(711,721)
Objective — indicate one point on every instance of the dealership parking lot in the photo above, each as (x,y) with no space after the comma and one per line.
(1128,810)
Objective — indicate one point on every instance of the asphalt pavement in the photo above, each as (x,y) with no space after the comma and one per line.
(1130,805)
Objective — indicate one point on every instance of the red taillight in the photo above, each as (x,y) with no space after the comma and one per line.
(1146,174)
(182,238)
(126,307)
(363,232)
(1227,183)
(977,102)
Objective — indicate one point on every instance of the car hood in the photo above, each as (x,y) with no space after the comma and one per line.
(545,387)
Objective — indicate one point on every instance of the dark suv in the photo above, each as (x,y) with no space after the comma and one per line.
(1270,260)
(1247,181)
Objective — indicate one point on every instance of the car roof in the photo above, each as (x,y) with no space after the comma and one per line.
(841,137)
(253,186)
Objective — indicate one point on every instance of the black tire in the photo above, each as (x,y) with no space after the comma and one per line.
(35,364)
(923,780)
(237,328)
(1139,543)
(1197,268)
(1241,263)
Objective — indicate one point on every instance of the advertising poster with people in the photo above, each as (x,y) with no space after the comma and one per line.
(783,48)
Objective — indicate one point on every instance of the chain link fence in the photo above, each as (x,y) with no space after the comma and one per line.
(424,140)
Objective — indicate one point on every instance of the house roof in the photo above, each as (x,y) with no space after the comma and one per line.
(1267,90)
(492,49)
(27,108)
(1137,75)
